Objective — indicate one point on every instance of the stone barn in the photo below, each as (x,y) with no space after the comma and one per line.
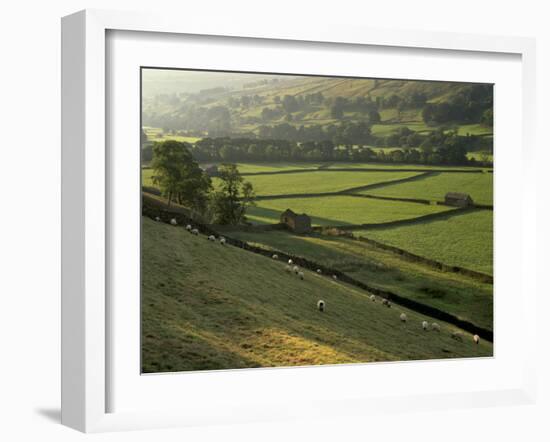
(295,222)
(458,199)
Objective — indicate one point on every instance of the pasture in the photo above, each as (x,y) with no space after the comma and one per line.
(478,185)
(320,181)
(464,240)
(341,210)
(207,307)
(451,292)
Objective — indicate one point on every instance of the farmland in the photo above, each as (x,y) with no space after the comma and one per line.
(465,240)
(260,316)
(449,292)
(478,185)
(341,210)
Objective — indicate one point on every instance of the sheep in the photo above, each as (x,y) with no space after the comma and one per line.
(174,222)
(403,317)
(288,269)
(476,339)
(157,218)
(425,325)
(222,240)
(457,336)
(436,327)
(373,298)
(335,277)
(290,262)
(386,302)
(195,231)
(295,269)
(275,256)
(188,227)
(301,275)
(319,271)
(211,238)
(321,305)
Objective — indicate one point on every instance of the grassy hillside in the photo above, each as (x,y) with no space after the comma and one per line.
(451,292)
(205,306)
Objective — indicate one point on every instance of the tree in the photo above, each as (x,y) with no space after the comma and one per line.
(179,176)
(230,202)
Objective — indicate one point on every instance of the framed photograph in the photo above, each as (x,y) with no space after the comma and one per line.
(261,224)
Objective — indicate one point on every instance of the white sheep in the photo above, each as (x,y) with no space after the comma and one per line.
(275,256)
(386,302)
(188,227)
(319,271)
(174,222)
(157,218)
(373,298)
(436,327)
(295,269)
(335,277)
(288,269)
(222,240)
(195,231)
(457,336)
(403,317)
(301,275)
(476,339)
(211,238)
(321,305)
(290,262)
(425,325)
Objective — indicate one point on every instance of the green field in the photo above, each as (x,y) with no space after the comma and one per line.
(319,181)
(156,134)
(426,167)
(464,240)
(206,307)
(478,185)
(274,167)
(462,296)
(340,210)
(390,128)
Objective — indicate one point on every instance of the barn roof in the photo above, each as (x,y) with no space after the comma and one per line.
(457,196)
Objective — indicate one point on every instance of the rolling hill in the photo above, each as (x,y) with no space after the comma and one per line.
(208,306)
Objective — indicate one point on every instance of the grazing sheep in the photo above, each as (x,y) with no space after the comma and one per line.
(222,240)
(321,305)
(319,271)
(476,339)
(373,298)
(275,256)
(157,218)
(301,275)
(195,231)
(288,269)
(386,302)
(211,238)
(173,222)
(425,325)
(403,317)
(457,336)
(290,262)
(335,277)
(295,269)
(436,327)
(188,227)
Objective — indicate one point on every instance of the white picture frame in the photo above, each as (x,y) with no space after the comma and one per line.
(85,212)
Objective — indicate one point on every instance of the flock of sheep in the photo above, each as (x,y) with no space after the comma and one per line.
(290,268)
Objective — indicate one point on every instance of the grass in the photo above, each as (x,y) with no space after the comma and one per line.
(207,307)
(273,167)
(464,240)
(478,185)
(156,134)
(474,129)
(319,181)
(426,167)
(451,292)
(340,210)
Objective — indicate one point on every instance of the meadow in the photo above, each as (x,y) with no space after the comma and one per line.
(434,187)
(451,292)
(340,210)
(465,240)
(254,314)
